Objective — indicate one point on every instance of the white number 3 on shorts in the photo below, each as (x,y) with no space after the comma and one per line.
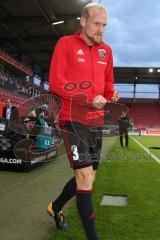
(75,152)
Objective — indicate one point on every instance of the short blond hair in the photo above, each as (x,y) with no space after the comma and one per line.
(85,10)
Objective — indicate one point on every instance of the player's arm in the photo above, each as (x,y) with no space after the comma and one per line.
(58,70)
(109,78)
(100,101)
(110,93)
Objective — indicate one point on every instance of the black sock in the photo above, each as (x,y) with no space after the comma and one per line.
(84,205)
(68,192)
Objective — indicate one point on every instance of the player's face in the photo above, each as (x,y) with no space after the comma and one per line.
(8,103)
(94,25)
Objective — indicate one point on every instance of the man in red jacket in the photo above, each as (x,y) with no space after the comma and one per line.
(81,74)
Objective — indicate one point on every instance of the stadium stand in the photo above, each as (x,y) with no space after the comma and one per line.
(140,90)
(145,115)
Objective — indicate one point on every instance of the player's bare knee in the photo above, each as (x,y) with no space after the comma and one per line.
(84,179)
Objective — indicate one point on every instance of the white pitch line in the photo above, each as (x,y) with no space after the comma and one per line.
(148,151)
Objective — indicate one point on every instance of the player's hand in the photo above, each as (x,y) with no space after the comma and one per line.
(115,97)
(99,102)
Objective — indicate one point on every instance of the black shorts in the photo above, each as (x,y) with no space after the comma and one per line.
(83,144)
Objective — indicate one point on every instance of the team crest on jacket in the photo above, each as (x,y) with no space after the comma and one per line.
(102,53)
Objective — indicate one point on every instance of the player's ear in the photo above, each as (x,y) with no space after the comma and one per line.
(83,22)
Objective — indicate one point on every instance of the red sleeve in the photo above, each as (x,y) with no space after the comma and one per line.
(109,78)
(58,69)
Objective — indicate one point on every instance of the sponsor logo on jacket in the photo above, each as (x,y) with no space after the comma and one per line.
(80,52)
(102,53)
(100,62)
(81,60)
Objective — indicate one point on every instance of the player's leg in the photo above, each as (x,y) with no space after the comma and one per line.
(126,139)
(121,139)
(55,207)
(70,133)
(79,157)
(69,190)
(84,178)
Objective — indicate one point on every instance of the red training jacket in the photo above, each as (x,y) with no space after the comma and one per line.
(79,73)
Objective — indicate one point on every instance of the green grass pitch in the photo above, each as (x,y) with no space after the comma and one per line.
(130,171)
